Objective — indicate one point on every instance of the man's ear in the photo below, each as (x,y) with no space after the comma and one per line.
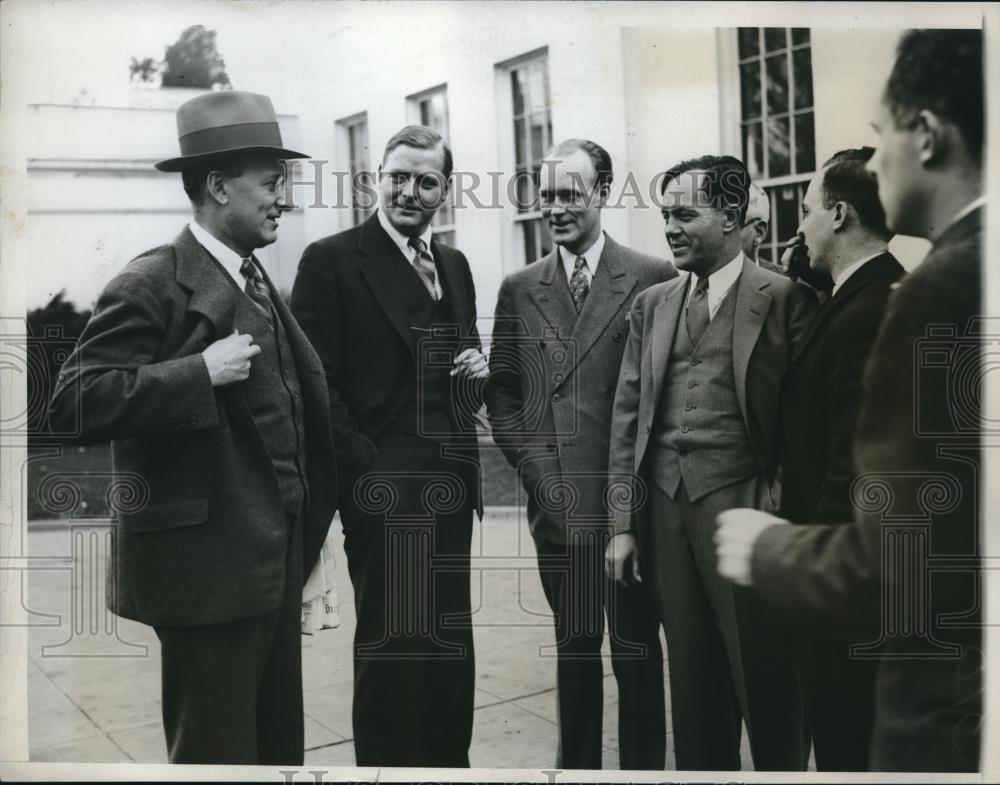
(933,140)
(215,187)
(761,229)
(732,222)
(839,215)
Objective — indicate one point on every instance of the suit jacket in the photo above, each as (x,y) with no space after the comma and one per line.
(552,380)
(918,451)
(348,300)
(772,314)
(204,538)
(822,396)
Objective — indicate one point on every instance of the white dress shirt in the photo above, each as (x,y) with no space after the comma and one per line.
(591,256)
(719,284)
(849,271)
(223,254)
(403,243)
(975,204)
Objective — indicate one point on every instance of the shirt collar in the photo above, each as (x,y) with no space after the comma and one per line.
(592,255)
(975,204)
(849,271)
(223,254)
(401,240)
(722,279)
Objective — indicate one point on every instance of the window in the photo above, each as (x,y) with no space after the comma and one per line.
(354,133)
(777,124)
(430,108)
(532,126)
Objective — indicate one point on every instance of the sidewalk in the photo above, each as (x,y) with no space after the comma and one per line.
(93,682)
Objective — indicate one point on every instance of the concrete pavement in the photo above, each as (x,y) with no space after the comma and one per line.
(93,682)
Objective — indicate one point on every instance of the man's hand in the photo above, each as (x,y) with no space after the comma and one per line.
(621,550)
(228,359)
(735,536)
(471,364)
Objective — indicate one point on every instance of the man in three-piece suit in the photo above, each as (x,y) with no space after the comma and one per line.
(196,371)
(558,337)
(392,314)
(844,229)
(696,419)
(918,443)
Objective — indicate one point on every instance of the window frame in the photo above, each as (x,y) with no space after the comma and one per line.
(444,221)
(345,128)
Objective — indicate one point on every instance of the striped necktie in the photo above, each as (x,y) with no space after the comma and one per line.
(256,286)
(423,263)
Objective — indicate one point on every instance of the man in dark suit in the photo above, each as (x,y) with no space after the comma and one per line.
(903,578)
(392,314)
(196,371)
(557,344)
(696,420)
(844,229)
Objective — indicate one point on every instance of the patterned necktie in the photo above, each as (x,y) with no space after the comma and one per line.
(579,286)
(256,286)
(423,263)
(697,311)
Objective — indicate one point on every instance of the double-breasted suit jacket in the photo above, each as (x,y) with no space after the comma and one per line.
(206,538)
(771,315)
(552,381)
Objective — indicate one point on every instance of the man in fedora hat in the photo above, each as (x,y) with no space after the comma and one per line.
(196,371)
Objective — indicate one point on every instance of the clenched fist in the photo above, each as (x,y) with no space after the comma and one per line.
(228,359)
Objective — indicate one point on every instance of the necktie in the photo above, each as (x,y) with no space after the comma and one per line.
(423,263)
(579,286)
(256,286)
(697,311)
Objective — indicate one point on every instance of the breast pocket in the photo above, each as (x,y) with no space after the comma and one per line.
(160,517)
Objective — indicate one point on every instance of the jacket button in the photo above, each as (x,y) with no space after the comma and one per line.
(685,429)
(556,397)
(688,407)
(616,337)
(692,385)
(558,377)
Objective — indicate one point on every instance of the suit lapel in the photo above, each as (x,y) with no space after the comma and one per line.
(752,306)
(611,286)
(883,264)
(380,268)
(664,328)
(453,282)
(552,298)
(212,295)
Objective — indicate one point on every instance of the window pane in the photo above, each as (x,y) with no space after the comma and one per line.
(520,152)
(774,38)
(750,89)
(530,248)
(805,143)
(802,63)
(538,145)
(749,42)
(785,211)
(800,35)
(515,86)
(777,83)
(778,163)
(753,150)
(526,192)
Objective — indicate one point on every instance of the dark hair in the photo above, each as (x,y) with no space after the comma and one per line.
(726,184)
(599,157)
(195,177)
(422,138)
(845,179)
(941,71)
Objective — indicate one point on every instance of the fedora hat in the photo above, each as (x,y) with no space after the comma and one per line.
(226,121)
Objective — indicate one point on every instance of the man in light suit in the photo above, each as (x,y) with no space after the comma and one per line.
(196,371)
(696,420)
(845,233)
(392,314)
(918,444)
(557,344)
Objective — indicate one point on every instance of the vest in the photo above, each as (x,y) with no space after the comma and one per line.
(274,396)
(425,409)
(699,437)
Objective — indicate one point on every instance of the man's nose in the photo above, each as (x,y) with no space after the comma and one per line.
(409,188)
